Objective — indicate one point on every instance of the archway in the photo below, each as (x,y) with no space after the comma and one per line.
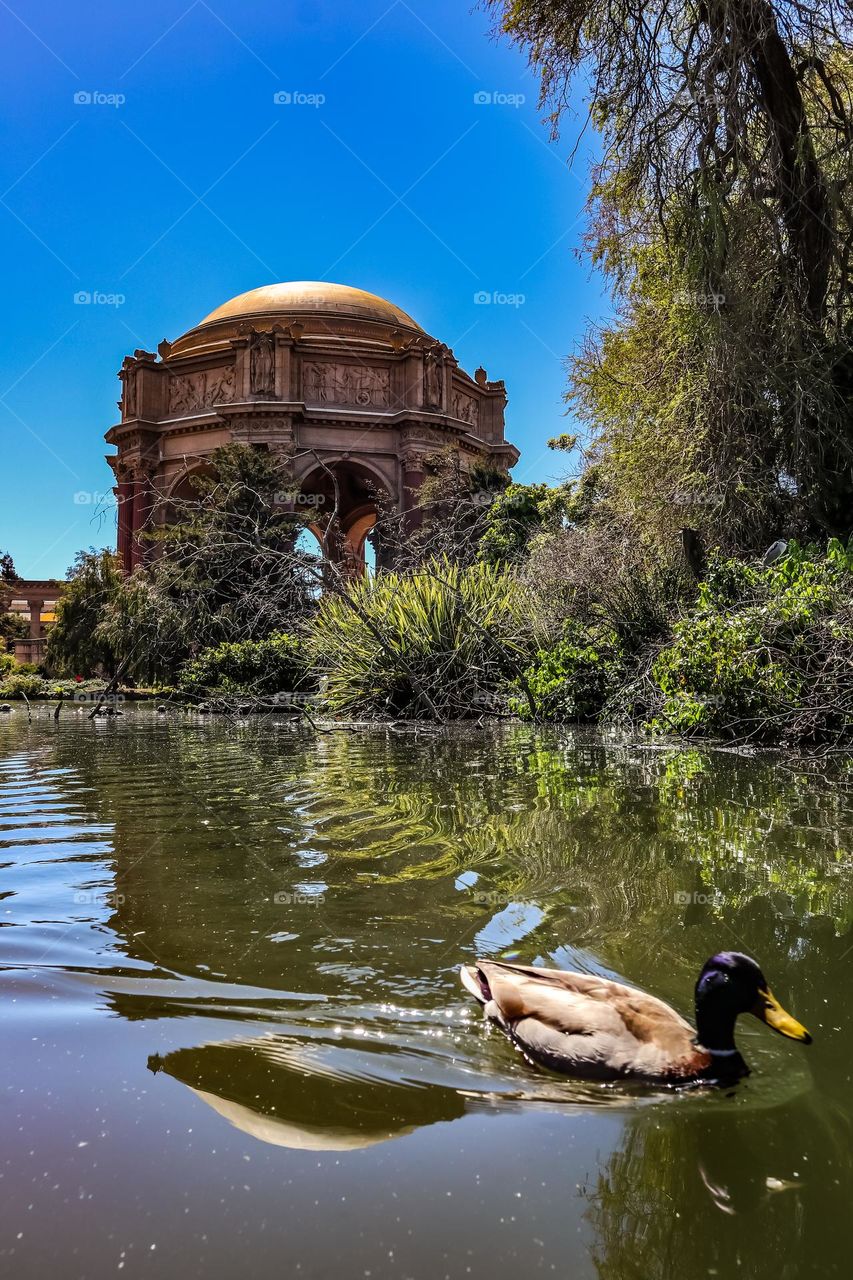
(344,498)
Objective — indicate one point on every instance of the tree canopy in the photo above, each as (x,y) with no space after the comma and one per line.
(720,210)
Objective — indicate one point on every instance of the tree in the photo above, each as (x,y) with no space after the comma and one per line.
(223,569)
(721,212)
(75,645)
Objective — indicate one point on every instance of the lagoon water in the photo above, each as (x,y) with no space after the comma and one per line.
(234,1040)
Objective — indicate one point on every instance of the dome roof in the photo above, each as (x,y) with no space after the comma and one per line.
(296,299)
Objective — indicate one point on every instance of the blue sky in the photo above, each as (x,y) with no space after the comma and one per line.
(178,181)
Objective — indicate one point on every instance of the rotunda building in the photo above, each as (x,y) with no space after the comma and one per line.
(345,385)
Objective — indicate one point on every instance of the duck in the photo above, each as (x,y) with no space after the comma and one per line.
(584,1025)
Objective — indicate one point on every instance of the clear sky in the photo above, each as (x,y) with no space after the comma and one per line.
(147,162)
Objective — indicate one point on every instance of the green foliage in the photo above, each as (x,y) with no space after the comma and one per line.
(719,395)
(440,642)
(222,571)
(75,643)
(24,685)
(573,679)
(516,516)
(766,653)
(12,627)
(276,664)
(7,662)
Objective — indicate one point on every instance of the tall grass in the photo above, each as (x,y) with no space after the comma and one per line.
(442,642)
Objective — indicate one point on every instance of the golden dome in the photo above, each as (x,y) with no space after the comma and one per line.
(298,297)
(330,310)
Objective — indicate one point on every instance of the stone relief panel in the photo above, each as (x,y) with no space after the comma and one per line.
(193,391)
(466,408)
(364,385)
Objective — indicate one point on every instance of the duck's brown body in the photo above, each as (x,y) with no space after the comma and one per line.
(585,1025)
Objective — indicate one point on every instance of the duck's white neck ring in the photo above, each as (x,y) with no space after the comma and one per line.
(723,1053)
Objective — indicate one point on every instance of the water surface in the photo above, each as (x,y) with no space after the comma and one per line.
(235,1038)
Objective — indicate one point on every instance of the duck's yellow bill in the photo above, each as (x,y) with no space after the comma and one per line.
(768,1009)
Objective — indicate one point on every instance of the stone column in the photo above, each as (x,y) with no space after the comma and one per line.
(35,606)
(142,504)
(413,476)
(124,498)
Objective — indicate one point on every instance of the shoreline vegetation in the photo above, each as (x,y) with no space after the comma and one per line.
(499,609)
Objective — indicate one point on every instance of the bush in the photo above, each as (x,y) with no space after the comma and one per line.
(32,685)
(442,642)
(258,668)
(24,685)
(573,679)
(766,653)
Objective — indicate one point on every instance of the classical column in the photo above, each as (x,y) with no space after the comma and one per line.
(142,503)
(35,607)
(413,475)
(124,498)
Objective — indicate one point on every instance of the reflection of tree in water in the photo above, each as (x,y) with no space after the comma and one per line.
(743,1193)
(212,821)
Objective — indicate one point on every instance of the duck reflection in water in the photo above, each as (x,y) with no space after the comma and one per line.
(285,1094)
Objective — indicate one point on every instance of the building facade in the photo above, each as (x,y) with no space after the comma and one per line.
(34,601)
(342,383)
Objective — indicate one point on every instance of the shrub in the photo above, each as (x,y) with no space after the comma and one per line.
(257,667)
(766,653)
(604,578)
(441,642)
(573,679)
(24,685)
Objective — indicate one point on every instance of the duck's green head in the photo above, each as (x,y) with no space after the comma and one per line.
(730,984)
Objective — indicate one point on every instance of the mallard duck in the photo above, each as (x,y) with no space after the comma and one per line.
(584,1025)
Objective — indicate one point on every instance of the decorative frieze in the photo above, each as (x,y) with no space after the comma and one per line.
(466,408)
(368,386)
(190,392)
